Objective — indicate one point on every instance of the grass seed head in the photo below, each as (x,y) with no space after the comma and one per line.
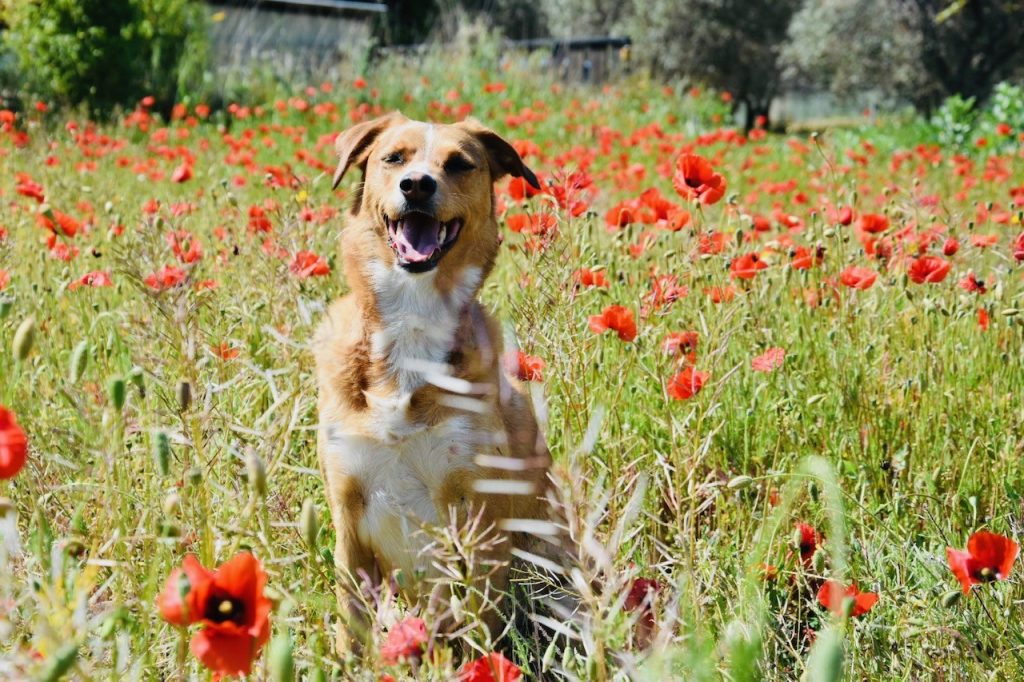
(24,338)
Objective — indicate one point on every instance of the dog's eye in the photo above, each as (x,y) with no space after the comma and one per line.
(458,164)
(394,159)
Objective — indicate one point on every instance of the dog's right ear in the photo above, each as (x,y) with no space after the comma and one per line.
(353,145)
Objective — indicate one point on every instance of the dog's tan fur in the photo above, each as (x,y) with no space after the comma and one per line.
(397,450)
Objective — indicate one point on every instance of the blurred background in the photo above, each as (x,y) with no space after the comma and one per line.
(774,62)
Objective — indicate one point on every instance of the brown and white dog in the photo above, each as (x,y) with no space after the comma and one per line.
(417,417)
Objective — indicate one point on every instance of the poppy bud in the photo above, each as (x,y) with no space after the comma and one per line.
(456,606)
(739,482)
(61,663)
(184,393)
(951,599)
(5,306)
(813,488)
(279,658)
(549,655)
(78,521)
(309,524)
(73,547)
(117,393)
(162,452)
(135,376)
(79,359)
(818,562)
(23,338)
(256,472)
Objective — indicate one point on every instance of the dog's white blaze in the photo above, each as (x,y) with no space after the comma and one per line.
(421,162)
(419,322)
(397,480)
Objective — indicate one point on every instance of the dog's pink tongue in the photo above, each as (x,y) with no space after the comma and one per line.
(416,237)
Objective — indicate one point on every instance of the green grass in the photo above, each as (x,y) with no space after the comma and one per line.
(894,392)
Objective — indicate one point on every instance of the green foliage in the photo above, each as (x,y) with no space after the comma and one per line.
(105,53)
(954,121)
(960,124)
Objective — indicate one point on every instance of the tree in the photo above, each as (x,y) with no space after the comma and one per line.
(416,21)
(918,51)
(965,47)
(732,45)
(106,53)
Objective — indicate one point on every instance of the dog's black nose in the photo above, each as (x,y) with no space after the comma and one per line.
(418,186)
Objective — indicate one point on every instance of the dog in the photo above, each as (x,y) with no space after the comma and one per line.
(419,421)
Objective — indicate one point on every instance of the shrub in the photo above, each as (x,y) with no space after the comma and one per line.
(105,53)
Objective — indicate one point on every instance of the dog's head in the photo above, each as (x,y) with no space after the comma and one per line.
(427,196)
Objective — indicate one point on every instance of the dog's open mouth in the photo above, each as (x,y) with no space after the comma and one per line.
(420,239)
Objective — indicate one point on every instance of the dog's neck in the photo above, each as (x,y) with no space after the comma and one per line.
(414,326)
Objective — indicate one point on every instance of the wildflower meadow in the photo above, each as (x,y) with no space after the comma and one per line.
(779,374)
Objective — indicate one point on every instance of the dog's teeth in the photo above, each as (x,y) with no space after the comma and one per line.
(442,234)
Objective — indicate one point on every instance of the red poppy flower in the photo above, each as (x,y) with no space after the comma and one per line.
(696,180)
(989,557)
(950,247)
(29,188)
(55,219)
(680,343)
(490,668)
(805,259)
(308,264)
(225,351)
(874,223)
(405,642)
(971,283)
(92,279)
(833,595)
(713,242)
(5,279)
(983,320)
(617,318)
(166,277)
(983,241)
(178,602)
(686,384)
(621,215)
(641,595)
(769,361)
(857,277)
(809,540)
(845,215)
(928,269)
(746,266)
(721,294)
(183,173)
(185,246)
(589,278)
(524,367)
(13,445)
(1018,247)
(231,606)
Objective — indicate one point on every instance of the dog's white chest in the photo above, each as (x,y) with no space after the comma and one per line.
(401,484)
(418,323)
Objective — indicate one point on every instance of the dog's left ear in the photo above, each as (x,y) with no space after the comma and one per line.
(502,156)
